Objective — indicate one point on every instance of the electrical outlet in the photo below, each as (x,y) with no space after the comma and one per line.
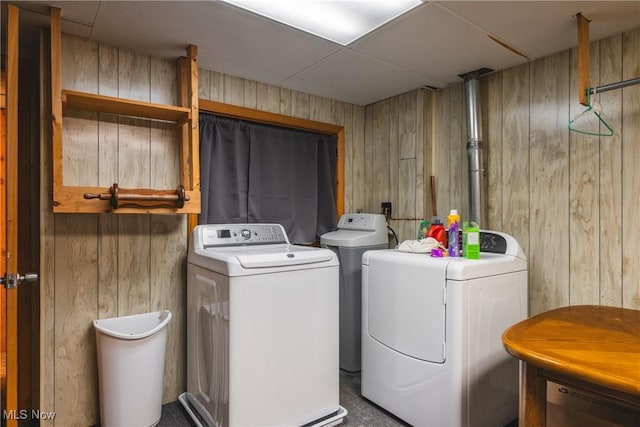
(386,209)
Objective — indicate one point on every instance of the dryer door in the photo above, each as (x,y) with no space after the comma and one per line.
(406,303)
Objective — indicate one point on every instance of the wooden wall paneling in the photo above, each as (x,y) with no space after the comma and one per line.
(79,64)
(168,233)
(133,172)
(75,296)
(336,116)
(268,98)
(46,279)
(320,109)
(419,179)
(164,137)
(250,94)
(300,104)
(465,177)
(349,142)
(407,196)
(285,101)
(134,260)
(216,86)
(233,90)
(584,231)
(549,266)
(393,165)
(631,172)
(464,206)
(515,185)
(368,158)
(79,72)
(441,153)
(75,273)
(210,85)
(108,123)
(107,266)
(407,171)
(426,129)
(107,175)
(80,148)
(165,156)
(168,292)
(492,148)
(204,83)
(133,133)
(359,172)
(107,70)
(380,155)
(610,191)
(458,158)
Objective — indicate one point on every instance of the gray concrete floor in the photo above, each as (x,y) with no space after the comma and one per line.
(362,413)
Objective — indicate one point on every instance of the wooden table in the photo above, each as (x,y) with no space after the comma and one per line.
(595,348)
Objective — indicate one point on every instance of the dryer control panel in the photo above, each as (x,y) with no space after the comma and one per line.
(215,235)
(496,242)
(492,242)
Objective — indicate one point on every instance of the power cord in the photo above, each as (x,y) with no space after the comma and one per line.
(395,236)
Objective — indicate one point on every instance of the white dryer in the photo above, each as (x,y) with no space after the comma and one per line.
(262,329)
(432,352)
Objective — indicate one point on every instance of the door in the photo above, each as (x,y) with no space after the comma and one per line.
(8,222)
(406,303)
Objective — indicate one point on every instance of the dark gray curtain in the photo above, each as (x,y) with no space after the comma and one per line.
(252,172)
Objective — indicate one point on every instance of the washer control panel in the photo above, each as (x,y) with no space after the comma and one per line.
(211,235)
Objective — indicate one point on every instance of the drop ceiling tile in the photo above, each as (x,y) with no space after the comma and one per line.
(542,28)
(219,30)
(79,12)
(353,72)
(208,62)
(430,40)
(331,92)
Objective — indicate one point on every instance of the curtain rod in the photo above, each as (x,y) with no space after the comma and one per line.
(613,86)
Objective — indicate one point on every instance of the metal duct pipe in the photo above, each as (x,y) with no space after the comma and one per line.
(474,145)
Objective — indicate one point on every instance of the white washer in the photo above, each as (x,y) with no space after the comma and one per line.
(432,351)
(262,329)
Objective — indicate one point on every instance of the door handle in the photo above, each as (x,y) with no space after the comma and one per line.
(11,281)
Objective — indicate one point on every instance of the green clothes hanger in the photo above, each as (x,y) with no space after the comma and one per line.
(582,122)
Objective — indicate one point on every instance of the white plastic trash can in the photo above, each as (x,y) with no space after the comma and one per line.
(131,353)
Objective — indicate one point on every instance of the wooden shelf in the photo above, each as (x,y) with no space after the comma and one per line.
(107,104)
(70,199)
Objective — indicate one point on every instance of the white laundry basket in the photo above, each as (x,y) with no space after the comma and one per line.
(131,352)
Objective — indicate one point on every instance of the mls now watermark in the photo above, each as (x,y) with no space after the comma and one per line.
(26,414)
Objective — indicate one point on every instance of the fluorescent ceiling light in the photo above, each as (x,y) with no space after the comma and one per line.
(341,21)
